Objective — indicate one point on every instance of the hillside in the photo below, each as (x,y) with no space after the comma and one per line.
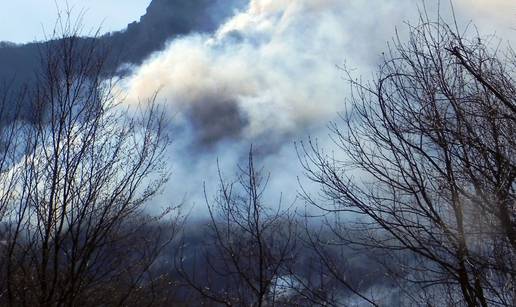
(163,20)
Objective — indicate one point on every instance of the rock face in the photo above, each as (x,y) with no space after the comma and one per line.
(163,20)
(166,19)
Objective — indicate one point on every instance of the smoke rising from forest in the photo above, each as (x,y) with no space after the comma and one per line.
(269,76)
(273,76)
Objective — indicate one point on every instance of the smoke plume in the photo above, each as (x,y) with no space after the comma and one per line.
(270,75)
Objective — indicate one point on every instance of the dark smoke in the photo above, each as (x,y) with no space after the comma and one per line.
(216,120)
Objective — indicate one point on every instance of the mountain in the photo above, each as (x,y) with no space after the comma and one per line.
(163,20)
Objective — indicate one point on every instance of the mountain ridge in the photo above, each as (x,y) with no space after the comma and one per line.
(162,21)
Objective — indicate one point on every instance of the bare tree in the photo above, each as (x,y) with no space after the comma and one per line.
(75,230)
(250,246)
(425,168)
(9,110)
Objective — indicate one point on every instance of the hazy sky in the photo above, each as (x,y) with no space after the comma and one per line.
(24,20)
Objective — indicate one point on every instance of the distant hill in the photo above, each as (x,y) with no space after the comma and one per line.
(163,20)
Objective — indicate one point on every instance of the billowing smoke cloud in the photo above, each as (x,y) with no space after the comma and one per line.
(269,70)
(269,75)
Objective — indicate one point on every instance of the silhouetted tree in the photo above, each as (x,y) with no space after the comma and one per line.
(74,186)
(425,168)
(251,243)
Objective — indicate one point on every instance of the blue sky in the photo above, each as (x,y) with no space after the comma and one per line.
(24,20)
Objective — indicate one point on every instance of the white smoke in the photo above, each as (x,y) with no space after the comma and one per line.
(275,63)
(269,75)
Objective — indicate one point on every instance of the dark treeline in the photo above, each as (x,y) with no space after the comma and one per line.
(419,210)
